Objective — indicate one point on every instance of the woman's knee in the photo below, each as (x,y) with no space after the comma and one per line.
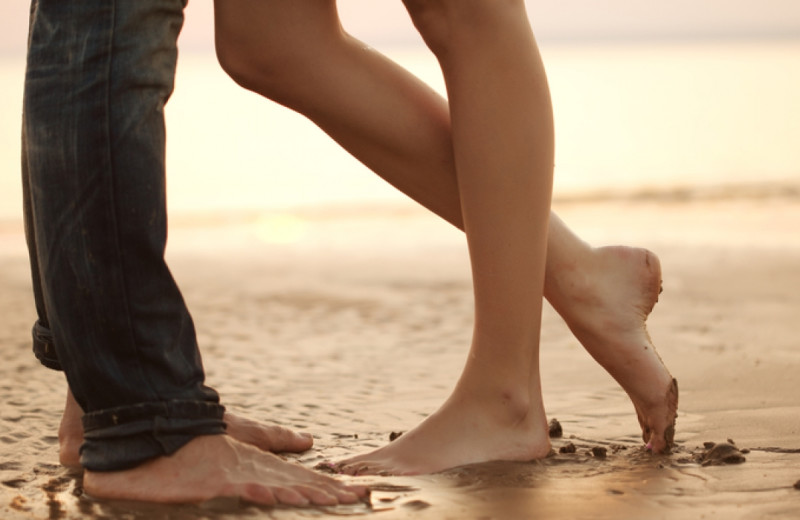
(444,23)
(266,48)
(250,61)
(236,52)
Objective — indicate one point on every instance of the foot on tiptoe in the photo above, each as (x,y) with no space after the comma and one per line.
(605,299)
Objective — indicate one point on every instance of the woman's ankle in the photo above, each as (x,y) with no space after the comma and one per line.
(504,405)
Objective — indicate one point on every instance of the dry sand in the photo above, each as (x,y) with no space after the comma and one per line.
(353,324)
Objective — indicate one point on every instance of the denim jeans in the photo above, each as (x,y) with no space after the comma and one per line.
(109,311)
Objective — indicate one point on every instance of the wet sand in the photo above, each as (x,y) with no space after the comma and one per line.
(353,324)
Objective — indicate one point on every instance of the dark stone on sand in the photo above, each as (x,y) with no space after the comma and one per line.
(328,467)
(567,448)
(556,432)
(57,485)
(797,485)
(417,505)
(15,482)
(599,452)
(394,435)
(719,454)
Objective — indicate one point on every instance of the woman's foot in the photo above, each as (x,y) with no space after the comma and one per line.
(606,301)
(467,429)
(218,466)
(276,439)
(605,298)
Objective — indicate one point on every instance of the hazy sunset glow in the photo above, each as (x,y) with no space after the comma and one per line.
(680,93)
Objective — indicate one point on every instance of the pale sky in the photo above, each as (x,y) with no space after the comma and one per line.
(382,22)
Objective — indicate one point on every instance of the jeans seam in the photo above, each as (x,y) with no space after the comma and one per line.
(123,281)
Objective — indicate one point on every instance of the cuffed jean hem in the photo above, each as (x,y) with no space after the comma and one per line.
(122,438)
(43,347)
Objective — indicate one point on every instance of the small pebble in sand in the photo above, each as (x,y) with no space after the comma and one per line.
(327,467)
(797,485)
(719,454)
(417,505)
(556,432)
(394,435)
(599,452)
(567,448)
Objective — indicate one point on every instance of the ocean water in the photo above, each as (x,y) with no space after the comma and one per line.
(629,117)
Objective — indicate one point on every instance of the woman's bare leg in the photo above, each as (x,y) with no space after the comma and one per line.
(297,54)
(503,147)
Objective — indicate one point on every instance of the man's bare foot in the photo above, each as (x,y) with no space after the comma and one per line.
(605,300)
(218,466)
(276,439)
(465,430)
(70,434)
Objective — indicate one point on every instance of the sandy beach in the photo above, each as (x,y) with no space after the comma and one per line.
(353,324)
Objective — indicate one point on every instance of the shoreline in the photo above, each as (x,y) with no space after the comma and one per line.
(786,191)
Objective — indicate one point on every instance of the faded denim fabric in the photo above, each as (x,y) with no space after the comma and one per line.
(109,311)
